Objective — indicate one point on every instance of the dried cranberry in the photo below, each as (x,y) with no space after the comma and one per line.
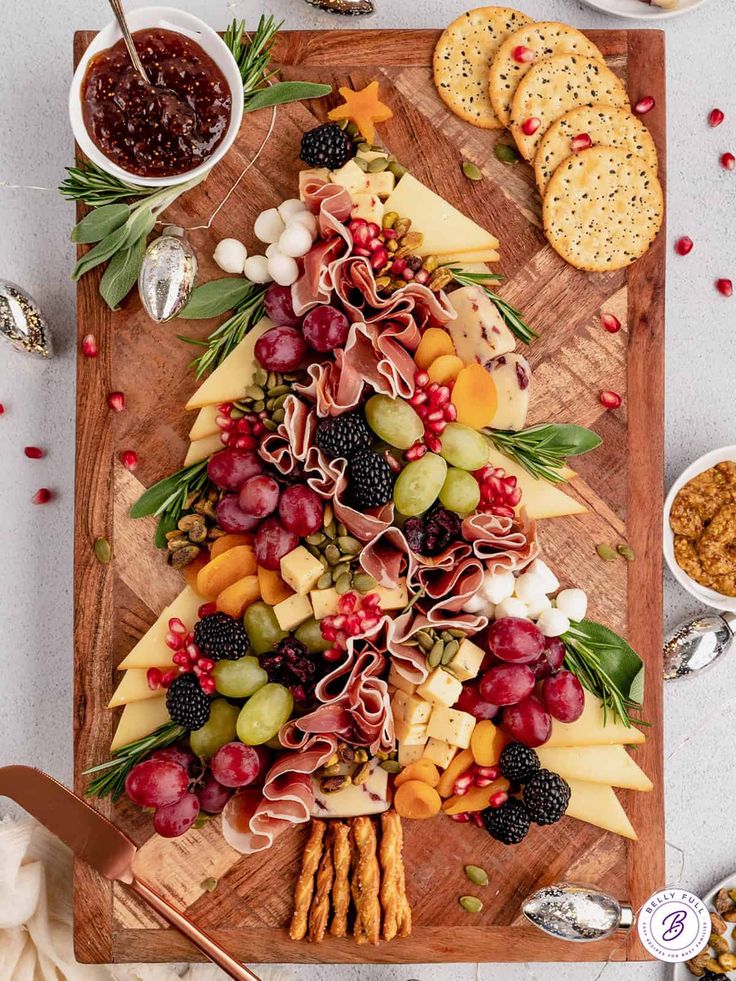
(414,534)
(441,529)
(290,665)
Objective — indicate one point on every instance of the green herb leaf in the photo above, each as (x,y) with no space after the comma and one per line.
(157,497)
(100,222)
(280,93)
(225,338)
(513,319)
(215,297)
(543,450)
(94,186)
(101,252)
(111,775)
(166,523)
(121,274)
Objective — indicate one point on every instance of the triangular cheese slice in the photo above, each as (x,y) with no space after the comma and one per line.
(205,424)
(445,229)
(133,687)
(610,765)
(151,650)
(590,730)
(455,258)
(202,449)
(140,719)
(228,381)
(596,804)
(540,498)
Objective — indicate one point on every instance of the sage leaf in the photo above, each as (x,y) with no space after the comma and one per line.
(215,297)
(166,523)
(100,222)
(101,252)
(141,222)
(158,495)
(280,93)
(121,274)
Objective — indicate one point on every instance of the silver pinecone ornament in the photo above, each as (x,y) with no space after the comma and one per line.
(168,274)
(571,911)
(22,323)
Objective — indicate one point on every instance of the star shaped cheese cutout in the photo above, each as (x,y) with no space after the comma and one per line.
(363,108)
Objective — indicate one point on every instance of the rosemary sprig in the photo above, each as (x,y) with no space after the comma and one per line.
(543,450)
(93,186)
(169,498)
(513,319)
(111,775)
(230,333)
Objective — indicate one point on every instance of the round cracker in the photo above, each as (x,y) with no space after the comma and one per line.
(605,126)
(603,209)
(546,39)
(554,87)
(463,56)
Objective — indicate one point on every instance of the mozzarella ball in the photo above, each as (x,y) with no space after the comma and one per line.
(272,249)
(475,603)
(230,255)
(553,623)
(295,240)
(536,605)
(511,607)
(289,208)
(269,225)
(283,269)
(528,586)
(498,586)
(307,219)
(573,603)
(256,269)
(549,580)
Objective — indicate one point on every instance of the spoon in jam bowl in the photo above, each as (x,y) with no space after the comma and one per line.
(117,9)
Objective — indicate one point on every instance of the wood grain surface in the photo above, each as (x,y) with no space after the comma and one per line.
(621,483)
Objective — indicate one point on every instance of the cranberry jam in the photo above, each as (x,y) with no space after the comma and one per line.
(165,128)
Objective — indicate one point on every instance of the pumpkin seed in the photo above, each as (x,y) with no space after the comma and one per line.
(477,875)
(332,554)
(397,169)
(377,165)
(363,164)
(451,649)
(435,655)
(209,884)
(425,639)
(472,171)
(324,581)
(315,539)
(391,766)
(342,569)
(626,550)
(103,550)
(341,530)
(348,545)
(471,904)
(607,553)
(352,130)
(363,582)
(506,153)
(342,585)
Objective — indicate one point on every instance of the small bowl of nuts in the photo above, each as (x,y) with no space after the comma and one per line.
(719,956)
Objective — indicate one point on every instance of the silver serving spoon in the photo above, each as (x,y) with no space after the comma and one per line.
(697,644)
(351,7)
(117,9)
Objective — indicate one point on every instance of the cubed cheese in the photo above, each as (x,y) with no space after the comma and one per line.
(439,752)
(479,331)
(440,688)
(350,176)
(292,611)
(370,797)
(452,726)
(410,753)
(367,206)
(300,570)
(412,735)
(394,598)
(466,663)
(324,602)
(413,710)
(381,183)
(399,681)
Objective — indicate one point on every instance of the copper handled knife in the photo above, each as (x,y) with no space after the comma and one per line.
(99,843)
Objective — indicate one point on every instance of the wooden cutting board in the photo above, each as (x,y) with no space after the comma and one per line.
(621,483)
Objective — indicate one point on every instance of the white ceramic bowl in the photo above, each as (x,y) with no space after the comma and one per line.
(701,593)
(192,27)
(636,10)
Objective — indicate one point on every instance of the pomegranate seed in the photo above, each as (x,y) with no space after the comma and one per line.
(433,442)
(206,665)
(483,781)
(380,258)
(207,685)
(42,496)
(89,346)
(463,784)
(684,245)
(153,677)
(477,819)
(610,400)
(492,772)
(462,818)
(2,408)
(167,677)
(499,798)
(724,287)
(181,658)
(581,142)
(371,601)
(728,161)
(716,117)
(398,266)
(346,603)
(610,323)
(33,452)
(522,55)
(644,105)
(129,459)
(422,277)
(421,379)
(116,401)
(530,125)
(332,654)
(177,626)
(408,274)
(415,452)
(206,609)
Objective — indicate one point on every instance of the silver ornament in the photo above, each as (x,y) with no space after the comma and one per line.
(571,911)
(22,323)
(167,276)
(698,644)
(354,7)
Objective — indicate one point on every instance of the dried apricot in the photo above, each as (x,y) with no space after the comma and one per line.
(474,396)
(417,801)
(445,369)
(435,343)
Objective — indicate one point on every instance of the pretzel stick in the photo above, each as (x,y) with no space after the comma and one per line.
(390,856)
(404,907)
(368,877)
(341,859)
(305,883)
(320,909)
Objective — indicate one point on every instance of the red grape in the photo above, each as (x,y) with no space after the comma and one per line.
(231,518)
(273,542)
(235,765)
(212,795)
(564,696)
(230,468)
(515,639)
(176,754)
(554,652)
(528,722)
(280,349)
(279,306)
(507,684)
(301,509)
(471,701)
(264,762)
(325,328)
(174,820)
(259,496)
(155,783)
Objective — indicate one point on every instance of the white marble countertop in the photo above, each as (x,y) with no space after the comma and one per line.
(36,583)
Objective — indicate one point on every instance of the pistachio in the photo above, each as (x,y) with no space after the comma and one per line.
(331,785)
(625,550)
(183,556)
(390,219)
(718,923)
(731,895)
(440,278)
(361,774)
(402,226)
(727,961)
(471,904)
(730,916)
(506,153)
(377,165)
(711,964)
(103,550)
(472,171)
(606,553)
(434,657)
(174,544)
(719,944)
(412,241)
(391,766)
(332,770)
(477,875)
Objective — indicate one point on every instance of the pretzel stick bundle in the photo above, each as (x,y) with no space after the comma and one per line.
(341,859)
(366,882)
(305,884)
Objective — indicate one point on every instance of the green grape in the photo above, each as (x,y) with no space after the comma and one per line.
(394,421)
(464,447)
(262,627)
(419,483)
(239,679)
(310,634)
(219,729)
(460,491)
(263,715)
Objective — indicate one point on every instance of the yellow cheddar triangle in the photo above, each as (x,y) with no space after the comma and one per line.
(133,687)
(596,804)
(445,229)
(540,498)
(457,258)
(151,650)
(140,719)
(610,765)
(202,449)
(228,381)
(590,730)
(205,424)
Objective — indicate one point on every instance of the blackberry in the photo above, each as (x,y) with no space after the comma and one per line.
(508,823)
(327,146)
(221,637)
(518,763)
(546,796)
(187,704)
(343,435)
(371,480)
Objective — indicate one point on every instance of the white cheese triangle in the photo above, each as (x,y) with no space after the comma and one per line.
(596,804)
(540,498)
(228,381)
(205,424)
(140,719)
(202,449)
(151,650)
(590,730)
(133,687)
(596,764)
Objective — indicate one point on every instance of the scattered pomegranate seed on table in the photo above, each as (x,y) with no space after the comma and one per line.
(716,117)
(581,142)
(610,323)
(116,401)
(728,161)
(683,245)
(724,287)
(610,400)
(89,346)
(2,408)
(129,459)
(531,125)
(522,54)
(33,452)
(644,105)
(42,496)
